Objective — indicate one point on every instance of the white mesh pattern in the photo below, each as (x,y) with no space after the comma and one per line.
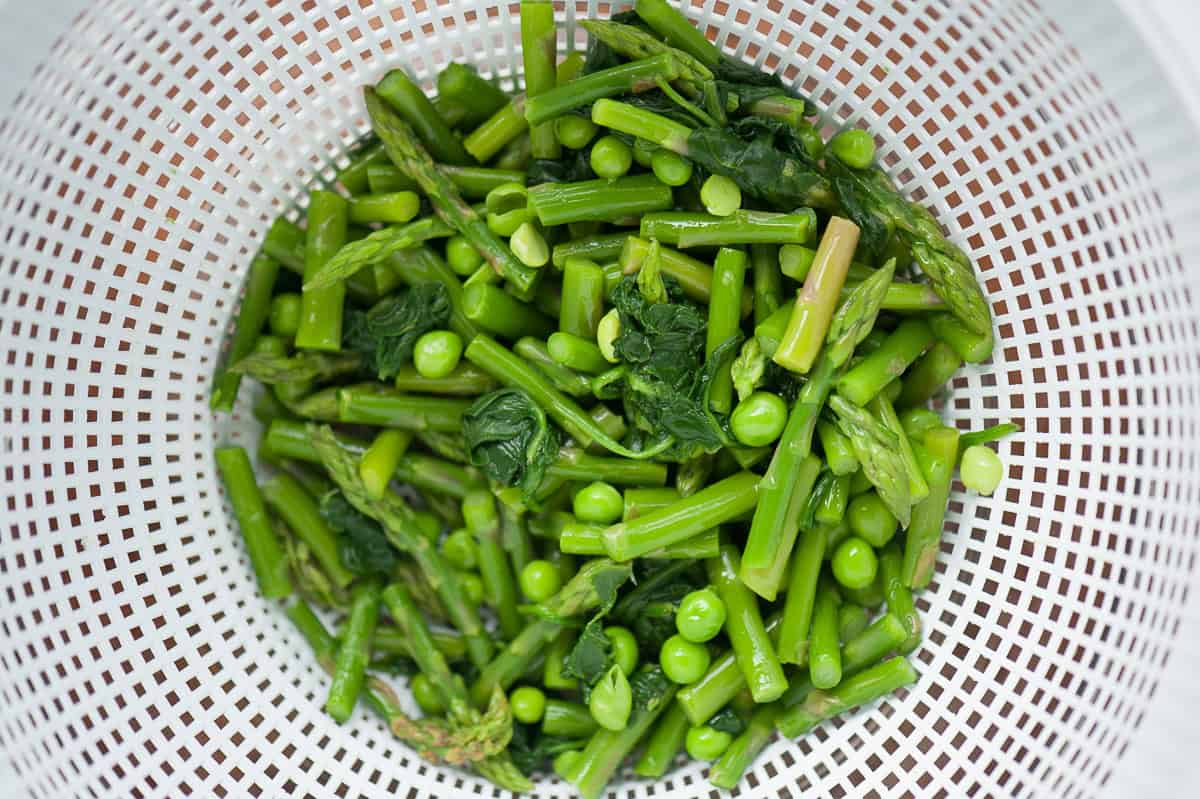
(140,167)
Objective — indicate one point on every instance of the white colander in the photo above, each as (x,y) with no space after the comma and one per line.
(140,166)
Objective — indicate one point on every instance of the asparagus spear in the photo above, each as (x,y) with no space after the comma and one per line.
(870,199)
(878,450)
(354,651)
(321,308)
(599,200)
(266,555)
(724,316)
(252,316)
(636,76)
(815,303)
(937,458)
(410,102)
(539,44)
(402,531)
(408,154)
(710,507)
(744,625)
(374,249)
(861,689)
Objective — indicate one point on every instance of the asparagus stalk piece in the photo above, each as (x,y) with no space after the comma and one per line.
(411,103)
(664,743)
(768,283)
(721,683)
(561,378)
(861,689)
(479,98)
(321,308)
(724,317)
(408,154)
(252,316)
(499,584)
(636,76)
(801,596)
(752,646)
(937,458)
(599,200)
(354,651)
(708,508)
(539,45)
(729,768)
(899,596)
(815,303)
(289,499)
(688,229)
(266,554)
(580,538)
(466,380)
(903,346)
(505,127)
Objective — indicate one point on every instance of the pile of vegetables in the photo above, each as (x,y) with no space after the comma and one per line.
(599,413)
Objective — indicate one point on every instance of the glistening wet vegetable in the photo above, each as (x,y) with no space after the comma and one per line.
(604,410)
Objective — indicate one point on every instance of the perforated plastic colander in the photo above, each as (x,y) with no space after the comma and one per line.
(140,167)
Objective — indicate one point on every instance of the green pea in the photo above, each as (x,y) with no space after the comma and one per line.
(270,345)
(460,549)
(611,700)
(611,157)
(720,195)
(683,661)
(671,168)
(472,586)
(607,333)
(528,704)
(462,256)
(437,353)
(759,419)
(854,148)
(870,519)
(284,317)
(540,580)
(643,152)
(564,764)
(429,524)
(599,503)
(981,469)
(854,563)
(700,616)
(624,648)
(427,696)
(706,743)
(574,132)
(529,245)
